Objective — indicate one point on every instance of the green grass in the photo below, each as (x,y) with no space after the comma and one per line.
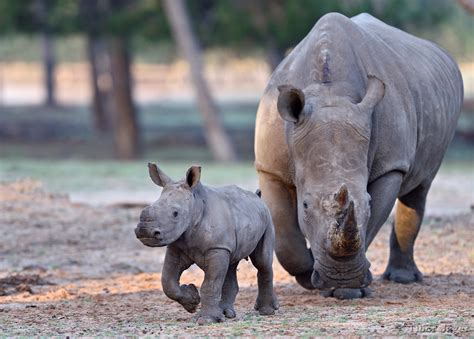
(87,175)
(65,175)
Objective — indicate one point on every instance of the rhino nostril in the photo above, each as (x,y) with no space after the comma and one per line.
(156,234)
(368,278)
(316,280)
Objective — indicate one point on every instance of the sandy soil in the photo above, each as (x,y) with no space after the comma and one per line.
(72,269)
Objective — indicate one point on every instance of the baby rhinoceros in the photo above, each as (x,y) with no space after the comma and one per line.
(214,228)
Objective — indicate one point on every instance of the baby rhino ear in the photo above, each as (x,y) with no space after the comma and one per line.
(193,176)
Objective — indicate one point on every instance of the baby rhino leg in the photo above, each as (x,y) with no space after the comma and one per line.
(175,264)
(215,271)
(229,292)
(262,259)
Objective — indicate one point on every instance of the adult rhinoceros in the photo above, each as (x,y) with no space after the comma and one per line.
(357,115)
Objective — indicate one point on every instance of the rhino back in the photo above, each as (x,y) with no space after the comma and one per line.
(419,113)
(414,122)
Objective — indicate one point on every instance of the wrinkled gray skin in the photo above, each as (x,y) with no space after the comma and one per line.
(357,115)
(214,228)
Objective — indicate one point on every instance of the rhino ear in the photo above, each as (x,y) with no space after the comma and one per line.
(290,103)
(375,93)
(193,176)
(158,176)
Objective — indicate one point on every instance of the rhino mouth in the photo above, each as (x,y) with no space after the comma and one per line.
(152,242)
(347,293)
(342,279)
(149,236)
(350,288)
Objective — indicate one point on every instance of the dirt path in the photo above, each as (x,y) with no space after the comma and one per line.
(71,269)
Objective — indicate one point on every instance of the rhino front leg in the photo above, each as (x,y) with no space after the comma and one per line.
(215,271)
(175,264)
(290,245)
(229,292)
(383,194)
(409,213)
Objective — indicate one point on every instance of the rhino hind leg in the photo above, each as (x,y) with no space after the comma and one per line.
(262,259)
(290,246)
(409,213)
(229,292)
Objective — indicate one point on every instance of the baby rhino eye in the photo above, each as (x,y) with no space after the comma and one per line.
(175,214)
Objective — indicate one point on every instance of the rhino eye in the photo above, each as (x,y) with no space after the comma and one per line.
(175,214)
(305,205)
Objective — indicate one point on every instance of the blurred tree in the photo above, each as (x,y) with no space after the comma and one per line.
(216,136)
(272,25)
(29,16)
(468,5)
(110,25)
(48,18)
(125,127)
(117,82)
(278,25)
(90,19)
(42,8)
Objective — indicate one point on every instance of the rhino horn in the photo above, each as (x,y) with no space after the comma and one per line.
(344,237)
(342,197)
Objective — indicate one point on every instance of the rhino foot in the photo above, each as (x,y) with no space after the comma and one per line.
(229,312)
(348,293)
(210,316)
(267,307)
(403,275)
(190,299)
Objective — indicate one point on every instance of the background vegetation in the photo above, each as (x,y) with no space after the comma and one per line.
(112,36)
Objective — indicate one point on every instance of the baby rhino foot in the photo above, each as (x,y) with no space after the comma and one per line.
(210,316)
(229,312)
(403,275)
(190,299)
(266,306)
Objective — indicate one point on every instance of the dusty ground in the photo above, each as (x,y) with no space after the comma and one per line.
(72,269)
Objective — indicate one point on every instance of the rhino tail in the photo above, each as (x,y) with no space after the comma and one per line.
(258,192)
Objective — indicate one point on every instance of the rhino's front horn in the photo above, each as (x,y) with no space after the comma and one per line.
(343,236)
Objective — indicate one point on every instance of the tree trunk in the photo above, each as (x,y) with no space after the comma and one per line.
(47,46)
(125,127)
(100,82)
(216,136)
(91,14)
